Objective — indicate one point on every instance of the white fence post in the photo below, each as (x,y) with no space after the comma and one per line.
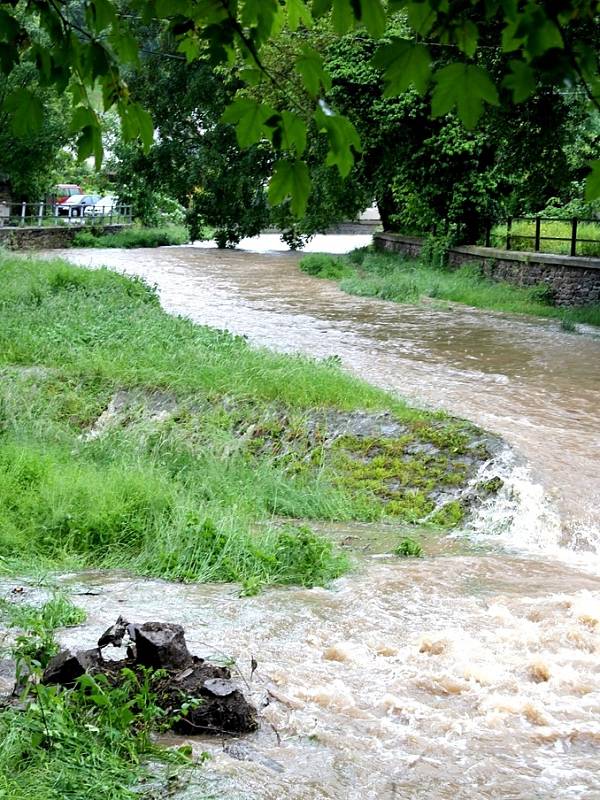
(23,212)
(41,214)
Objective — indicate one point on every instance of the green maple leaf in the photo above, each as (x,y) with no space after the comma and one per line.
(249,117)
(467,36)
(405,63)
(342,16)
(521,80)
(373,17)
(310,66)
(592,182)
(298,14)
(465,86)
(343,140)
(290,180)
(293,130)
(26,110)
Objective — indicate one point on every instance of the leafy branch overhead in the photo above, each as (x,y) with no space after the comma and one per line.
(81,46)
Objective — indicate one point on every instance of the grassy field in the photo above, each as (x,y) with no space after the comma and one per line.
(558,229)
(403,280)
(135,236)
(210,446)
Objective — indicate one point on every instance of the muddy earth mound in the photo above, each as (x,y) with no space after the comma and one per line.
(198,696)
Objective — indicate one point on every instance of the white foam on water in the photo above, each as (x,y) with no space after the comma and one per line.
(524,518)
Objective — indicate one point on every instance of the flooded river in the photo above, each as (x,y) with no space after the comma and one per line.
(471,673)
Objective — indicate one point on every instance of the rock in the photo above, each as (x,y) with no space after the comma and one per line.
(161,645)
(219,687)
(243,752)
(116,633)
(67,666)
(222,708)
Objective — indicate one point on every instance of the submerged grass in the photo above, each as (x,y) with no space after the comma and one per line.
(185,495)
(135,236)
(402,280)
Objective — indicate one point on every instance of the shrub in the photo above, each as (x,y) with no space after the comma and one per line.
(435,250)
(542,293)
(134,237)
(568,325)
(358,255)
(409,548)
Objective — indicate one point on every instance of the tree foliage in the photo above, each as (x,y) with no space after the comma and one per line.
(81,44)
(30,159)
(195,156)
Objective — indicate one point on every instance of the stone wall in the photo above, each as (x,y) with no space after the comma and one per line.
(572,280)
(49,238)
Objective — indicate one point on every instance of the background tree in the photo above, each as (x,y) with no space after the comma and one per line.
(426,171)
(30,160)
(83,44)
(195,158)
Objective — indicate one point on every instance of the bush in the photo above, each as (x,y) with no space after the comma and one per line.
(435,251)
(358,255)
(134,237)
(542,293)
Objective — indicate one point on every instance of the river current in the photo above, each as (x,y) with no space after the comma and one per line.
(471,673)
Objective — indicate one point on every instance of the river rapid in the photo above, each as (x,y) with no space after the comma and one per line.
(471,673)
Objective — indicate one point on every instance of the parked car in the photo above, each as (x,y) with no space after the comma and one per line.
(63,191)
(103,208)
(75,205)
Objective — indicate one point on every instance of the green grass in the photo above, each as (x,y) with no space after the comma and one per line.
(523,231)
(38,623)
(402,280)
(134,236)
(90,741)
(58,612)
(190,498)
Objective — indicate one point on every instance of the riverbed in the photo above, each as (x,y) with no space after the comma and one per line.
(471,673)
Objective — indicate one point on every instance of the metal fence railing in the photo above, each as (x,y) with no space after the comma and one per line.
(17,215)
(574,236)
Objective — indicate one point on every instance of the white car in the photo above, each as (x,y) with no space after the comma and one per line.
(104,207)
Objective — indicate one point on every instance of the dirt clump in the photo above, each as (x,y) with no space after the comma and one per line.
(198,696)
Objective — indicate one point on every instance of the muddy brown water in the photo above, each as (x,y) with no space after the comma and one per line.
(471,673)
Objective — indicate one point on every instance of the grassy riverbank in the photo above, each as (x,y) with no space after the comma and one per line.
(130,437)
(393,277)
(135,236)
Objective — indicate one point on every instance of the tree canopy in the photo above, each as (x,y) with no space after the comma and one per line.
(85,45)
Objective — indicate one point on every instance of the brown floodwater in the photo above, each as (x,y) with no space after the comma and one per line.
(471,673)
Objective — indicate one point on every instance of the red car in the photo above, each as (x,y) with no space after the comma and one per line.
(65,190)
